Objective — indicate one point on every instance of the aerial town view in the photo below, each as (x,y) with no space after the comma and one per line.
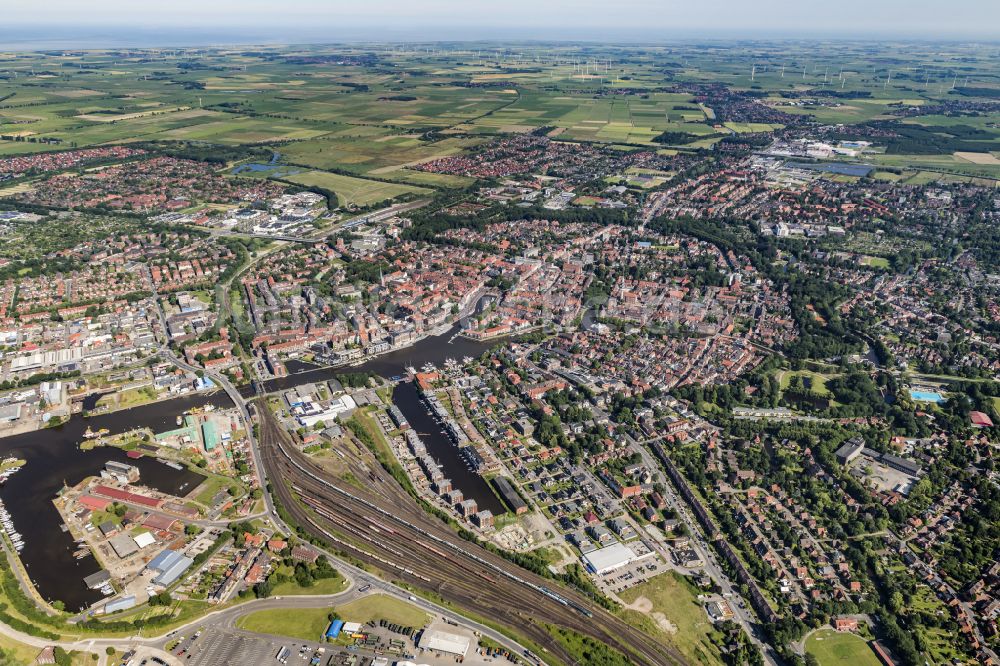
(558,333)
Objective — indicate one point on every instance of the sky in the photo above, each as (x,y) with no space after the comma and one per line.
(361,20)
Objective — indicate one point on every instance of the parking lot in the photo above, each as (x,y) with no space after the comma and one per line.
(220,647)
(630,575)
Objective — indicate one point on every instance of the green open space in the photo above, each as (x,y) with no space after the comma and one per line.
(311,623)
(353,191)
(668,605)
(308,624)
(834,648)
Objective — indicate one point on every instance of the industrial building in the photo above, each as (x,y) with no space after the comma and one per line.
(11,412)
(210,435)
(509,495)
(170,564)
(442,641)
(309,412)
(123,545)
(96,581)
(120,472)
(124,603)
(144,539)
(609,558)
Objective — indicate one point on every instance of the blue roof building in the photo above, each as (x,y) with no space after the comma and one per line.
(170,575)
(164,560)
(120,604)
(334,630)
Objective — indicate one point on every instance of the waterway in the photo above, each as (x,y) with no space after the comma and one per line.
(444,451)
(435,350)
(53,458)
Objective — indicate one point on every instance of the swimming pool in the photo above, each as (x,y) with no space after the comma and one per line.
(927,396)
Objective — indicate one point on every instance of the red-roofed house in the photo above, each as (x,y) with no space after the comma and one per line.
(980,420)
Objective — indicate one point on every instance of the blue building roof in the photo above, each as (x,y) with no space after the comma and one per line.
(334,629)
(120,604)
(167,577)
(164,560)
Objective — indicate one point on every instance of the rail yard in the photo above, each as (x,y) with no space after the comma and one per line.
(383,526)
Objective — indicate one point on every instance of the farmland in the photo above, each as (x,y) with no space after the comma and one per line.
(354,191)
(366,112)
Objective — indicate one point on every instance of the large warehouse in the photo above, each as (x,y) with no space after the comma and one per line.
(169,564)
(442,641)
(609,558)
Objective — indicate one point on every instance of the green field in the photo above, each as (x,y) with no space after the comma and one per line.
(354,191)
(383,607)
(817,379)
(834,648)
(667,604)
(310,623)
(875,262)
(290,588)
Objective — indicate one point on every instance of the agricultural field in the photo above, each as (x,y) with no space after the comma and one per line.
(354,191)
(375,151)
(372,112)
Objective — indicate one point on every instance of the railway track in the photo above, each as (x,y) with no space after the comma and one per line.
(381,525)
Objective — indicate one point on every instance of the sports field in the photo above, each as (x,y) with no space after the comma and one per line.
(833,648)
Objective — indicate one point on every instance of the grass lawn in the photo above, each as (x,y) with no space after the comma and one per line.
(311,623)
(876,262)
(818,380)
(669,603)
(379,607)
(322,586)
(13,652)
(212,485)
(308,624)
(832,648)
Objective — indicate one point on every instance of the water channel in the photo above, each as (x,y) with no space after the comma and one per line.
(54,460)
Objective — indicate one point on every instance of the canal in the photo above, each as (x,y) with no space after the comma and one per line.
(54,459)
(435,350)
